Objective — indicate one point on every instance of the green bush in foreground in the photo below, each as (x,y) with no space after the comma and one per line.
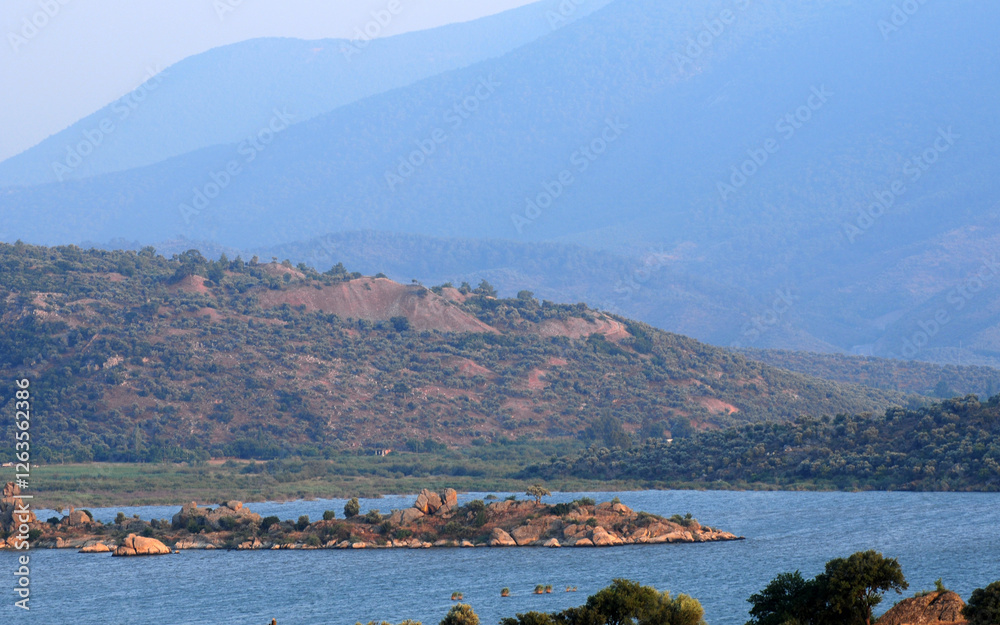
(844,594)
(460,614)
(624,602)
(984,606)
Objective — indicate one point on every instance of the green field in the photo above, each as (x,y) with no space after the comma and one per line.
(114,484)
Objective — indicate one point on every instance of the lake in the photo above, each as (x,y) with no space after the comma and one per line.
(953,536)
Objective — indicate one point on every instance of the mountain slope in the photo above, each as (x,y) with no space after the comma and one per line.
(136,357)
(228,94)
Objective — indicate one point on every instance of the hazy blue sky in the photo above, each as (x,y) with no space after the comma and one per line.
(87,53)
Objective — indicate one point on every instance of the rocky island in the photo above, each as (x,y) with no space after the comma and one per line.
(434,520)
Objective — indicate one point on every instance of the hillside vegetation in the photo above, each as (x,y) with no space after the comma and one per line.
(922,378)
(134,357)
(954,445)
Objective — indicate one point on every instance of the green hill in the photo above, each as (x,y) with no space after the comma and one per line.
(948,446)
(134,357)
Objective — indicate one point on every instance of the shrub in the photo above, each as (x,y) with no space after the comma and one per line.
(303,522)
(352,508)
(267,522)
(373,517)
(984,605)
(313,541)
(591,522)
(460,614)
(329,515)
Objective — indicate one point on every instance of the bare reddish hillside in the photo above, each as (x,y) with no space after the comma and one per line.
(577,328)
(379,299)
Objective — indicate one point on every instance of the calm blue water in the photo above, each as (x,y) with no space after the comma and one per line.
(948,535)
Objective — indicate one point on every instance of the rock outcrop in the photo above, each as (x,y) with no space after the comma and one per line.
(140,546)
(429,502)
(9,505)
(213,518)
(937,608)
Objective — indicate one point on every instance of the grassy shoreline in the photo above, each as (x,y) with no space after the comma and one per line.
(120,484)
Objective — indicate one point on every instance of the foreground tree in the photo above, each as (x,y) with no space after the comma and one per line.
(844,594)
(984,606)
(352,508)
(856,585)
(787,600)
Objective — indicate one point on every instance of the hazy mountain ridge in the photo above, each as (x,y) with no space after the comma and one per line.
(687,122)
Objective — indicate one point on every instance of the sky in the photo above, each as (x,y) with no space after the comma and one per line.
(61,60)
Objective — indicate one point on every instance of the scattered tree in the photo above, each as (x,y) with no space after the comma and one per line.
(352,508)
(537,491)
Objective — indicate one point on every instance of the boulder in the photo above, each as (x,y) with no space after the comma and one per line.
(552,542)
(140,546)
(77,518)
(250,545)
(406,517)
(449,498)
(527,534)
(602,538)
(621,508)
(96,548)
(933,609)
(428,502)
(584,542)
(500,538)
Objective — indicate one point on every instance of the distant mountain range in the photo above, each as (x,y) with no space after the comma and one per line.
(227,94)
(814,176)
